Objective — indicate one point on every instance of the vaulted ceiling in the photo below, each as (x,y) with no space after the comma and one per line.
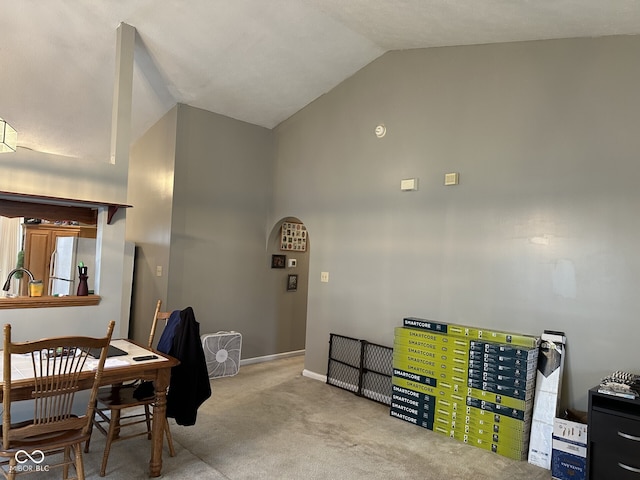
(259,61)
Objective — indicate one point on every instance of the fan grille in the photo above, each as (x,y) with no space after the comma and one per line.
(222,353)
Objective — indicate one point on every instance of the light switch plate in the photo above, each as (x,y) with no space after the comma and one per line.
(409,184)
(451,178)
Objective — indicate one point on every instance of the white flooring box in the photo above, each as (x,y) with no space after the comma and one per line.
(569,454)
(547,397)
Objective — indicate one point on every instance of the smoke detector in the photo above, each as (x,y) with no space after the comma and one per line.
(380,131)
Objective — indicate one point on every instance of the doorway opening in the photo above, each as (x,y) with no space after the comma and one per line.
(288,250)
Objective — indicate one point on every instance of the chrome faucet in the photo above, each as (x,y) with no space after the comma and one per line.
(12,273)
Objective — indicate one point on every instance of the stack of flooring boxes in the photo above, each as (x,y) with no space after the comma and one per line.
(472,384)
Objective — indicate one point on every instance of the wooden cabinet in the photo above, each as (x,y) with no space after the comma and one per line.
(39,245)
(614,437)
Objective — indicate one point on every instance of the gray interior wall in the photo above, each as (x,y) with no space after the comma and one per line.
(201,186)
(541,232)
(151,174)
(219,261)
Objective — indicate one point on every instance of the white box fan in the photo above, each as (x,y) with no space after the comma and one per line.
(222,353)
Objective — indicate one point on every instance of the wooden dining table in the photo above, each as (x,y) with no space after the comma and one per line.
(117,369)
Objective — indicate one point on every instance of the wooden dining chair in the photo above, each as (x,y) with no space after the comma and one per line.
(115,399)
(57,366)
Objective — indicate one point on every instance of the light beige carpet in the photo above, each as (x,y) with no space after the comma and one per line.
(270,422)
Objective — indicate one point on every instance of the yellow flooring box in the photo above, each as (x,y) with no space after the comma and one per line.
(505,350)
(416,337)
(473,333)
(472,384)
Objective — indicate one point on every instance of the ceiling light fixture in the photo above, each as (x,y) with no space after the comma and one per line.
(8,137)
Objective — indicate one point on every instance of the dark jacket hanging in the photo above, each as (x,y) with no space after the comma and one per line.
(189,386)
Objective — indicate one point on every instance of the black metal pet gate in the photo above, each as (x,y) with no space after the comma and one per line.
(361,367)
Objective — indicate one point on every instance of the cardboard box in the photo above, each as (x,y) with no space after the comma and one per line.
(423,324)
(547,397)
(430,382)
(569,450)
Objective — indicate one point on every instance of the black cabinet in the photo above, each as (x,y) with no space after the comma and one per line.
(614,437)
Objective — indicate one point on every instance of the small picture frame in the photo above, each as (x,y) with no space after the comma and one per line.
(292,283)
(278,261)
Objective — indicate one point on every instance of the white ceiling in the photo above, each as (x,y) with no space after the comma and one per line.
(258,61)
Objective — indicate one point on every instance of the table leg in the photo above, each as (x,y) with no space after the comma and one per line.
(157,428)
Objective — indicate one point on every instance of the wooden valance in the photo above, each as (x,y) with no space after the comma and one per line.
(54,208)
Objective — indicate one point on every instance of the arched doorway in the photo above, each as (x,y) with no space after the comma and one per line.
(290,280)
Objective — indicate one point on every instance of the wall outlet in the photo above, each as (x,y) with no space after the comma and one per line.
(159,271)
(324,277)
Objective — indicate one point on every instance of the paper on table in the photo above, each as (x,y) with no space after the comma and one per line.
(108,363)
(115,362)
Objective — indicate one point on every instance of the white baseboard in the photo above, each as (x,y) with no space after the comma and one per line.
(313,375)
(278,356)
(268,358)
